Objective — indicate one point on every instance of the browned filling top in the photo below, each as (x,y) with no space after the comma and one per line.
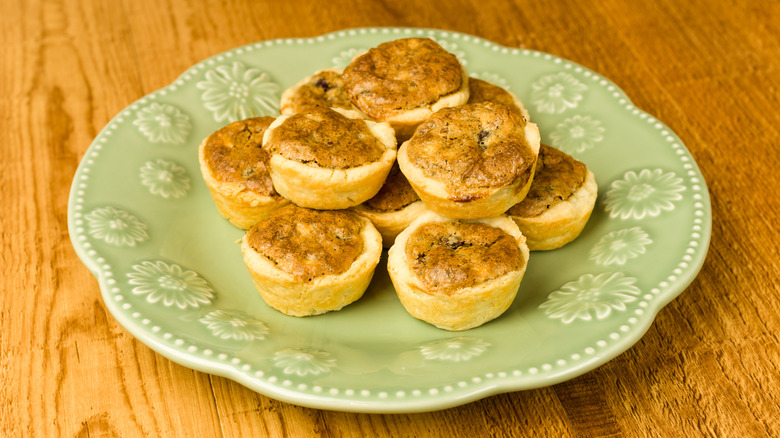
(325,88)
(234,154)
(557,177)
(401,75)
(326,138)
(473,146)
(446,256)
(483,91)
(308,243)
(395,194)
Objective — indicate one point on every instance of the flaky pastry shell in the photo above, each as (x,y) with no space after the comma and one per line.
(321,188)
(321,294)
(466,308)
(391,223)
(405,123)
(484,202)
(286,107)
(563,222)
(242,207)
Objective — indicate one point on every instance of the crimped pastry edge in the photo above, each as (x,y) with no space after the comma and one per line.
(242,207)
(468,307)
(287,96)
(321,294)
(488,202)
(321,188)
(391,223)
(563,222)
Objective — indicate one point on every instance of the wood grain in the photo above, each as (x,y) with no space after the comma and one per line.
(708,366)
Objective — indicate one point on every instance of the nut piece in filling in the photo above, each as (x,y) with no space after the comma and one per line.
(405,81)
(472,161)
(559,202)
(324,88)
(458,274)
(307,262)
(235,169)
(484,91)
(324,160)
(393,208)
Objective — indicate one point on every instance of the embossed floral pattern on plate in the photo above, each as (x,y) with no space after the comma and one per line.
(617,247)
(234,324)
(303,362)
(170,285)
(342,60)
(591,296)
(235,92)
(165,178)
(116,227)
(163,123)
(457,349)
(577,134)
(648,193)
(556,93)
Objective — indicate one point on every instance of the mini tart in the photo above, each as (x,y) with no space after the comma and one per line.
(307,262)
(484,91)
(559,203)
(235,169)
(321,159)
(393,208)
(458,274)
(473,161)
(324,88)
(404,81)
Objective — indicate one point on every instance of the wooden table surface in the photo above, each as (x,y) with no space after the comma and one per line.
(709,364)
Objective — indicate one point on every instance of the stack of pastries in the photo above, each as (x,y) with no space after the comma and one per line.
(400,150)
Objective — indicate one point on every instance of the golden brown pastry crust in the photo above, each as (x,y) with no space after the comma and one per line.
(472,161)
(558,176)
(324,175)
(323,88)
(484,91)
(563,222)
(308,243)
(456,308)
(559,203)
(297,295)
(390,223)
(235,169)
(447,256)
(393,208)
(404,81)
(395,194)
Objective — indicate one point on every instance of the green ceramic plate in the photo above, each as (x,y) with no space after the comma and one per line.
(171,272)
